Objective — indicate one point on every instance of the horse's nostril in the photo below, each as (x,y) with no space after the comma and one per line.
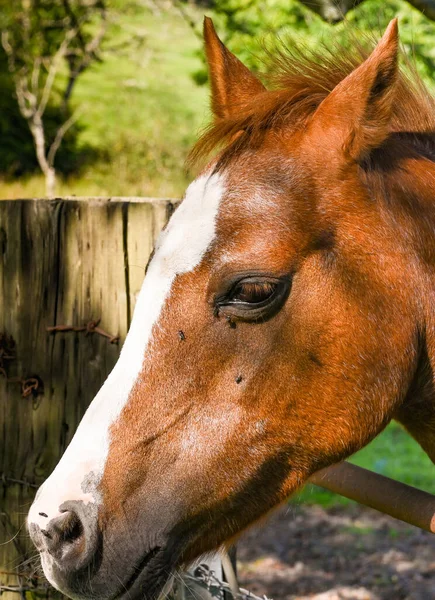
(61,532)
(71,527)
(65,540)
(72,537)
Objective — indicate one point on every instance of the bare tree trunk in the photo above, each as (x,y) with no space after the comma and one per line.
(50,182)
(35,78)
(37,128)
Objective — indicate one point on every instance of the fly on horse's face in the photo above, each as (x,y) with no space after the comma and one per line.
(275,334)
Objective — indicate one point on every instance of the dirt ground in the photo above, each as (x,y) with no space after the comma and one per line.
(349,553)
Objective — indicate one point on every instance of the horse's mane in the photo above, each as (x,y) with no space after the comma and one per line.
(298,82)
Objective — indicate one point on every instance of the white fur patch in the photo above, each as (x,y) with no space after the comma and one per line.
(179,249)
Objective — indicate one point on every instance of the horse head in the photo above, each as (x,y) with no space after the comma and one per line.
(276,333)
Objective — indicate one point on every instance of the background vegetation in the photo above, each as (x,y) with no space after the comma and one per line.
(145,100)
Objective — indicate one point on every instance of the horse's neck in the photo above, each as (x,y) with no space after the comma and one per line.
(413,197)
(417,413)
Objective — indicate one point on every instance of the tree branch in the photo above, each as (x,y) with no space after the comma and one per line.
(335,11)
(331,11)
(7,47)
(53,69)
(27,110)
(427,7)
(60,134)
(179,6)
(35,75)
(89,55)
(87,51)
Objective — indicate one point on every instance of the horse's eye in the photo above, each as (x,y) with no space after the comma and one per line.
(253,298)
(253,292)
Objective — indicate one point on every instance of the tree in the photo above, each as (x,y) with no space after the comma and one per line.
(334,11)
(251,28)
(48,44)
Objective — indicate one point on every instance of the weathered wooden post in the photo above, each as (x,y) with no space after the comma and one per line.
(62,262)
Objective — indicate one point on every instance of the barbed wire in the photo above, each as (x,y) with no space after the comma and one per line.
(28,582)
(206,577)
(5,481)
(90,327)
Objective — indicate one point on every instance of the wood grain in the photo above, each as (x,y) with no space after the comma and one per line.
(62,262)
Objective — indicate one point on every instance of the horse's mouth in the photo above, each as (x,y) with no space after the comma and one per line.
(148,578)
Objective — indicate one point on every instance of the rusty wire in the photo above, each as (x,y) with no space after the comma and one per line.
(30,386)
(88,328)
(208,579)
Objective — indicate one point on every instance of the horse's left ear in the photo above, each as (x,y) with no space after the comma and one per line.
(232,84)
(357,112)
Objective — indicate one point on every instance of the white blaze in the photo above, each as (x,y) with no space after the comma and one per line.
(179,249)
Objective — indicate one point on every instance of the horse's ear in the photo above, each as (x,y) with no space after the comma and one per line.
(232,84)
(357,112)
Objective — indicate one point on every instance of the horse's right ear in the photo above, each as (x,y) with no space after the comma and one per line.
(357,113)
(232,84)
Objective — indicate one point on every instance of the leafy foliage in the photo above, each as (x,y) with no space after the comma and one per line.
(33,32)
(143,111)
(37,27)
(250,27)
(17,152)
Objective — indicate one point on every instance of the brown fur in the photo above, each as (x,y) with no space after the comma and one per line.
(330,180)
(300,80)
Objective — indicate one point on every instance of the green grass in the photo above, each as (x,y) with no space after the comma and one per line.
(394,454)
(142,112)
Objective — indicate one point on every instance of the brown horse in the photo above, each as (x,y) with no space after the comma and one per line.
(285,318)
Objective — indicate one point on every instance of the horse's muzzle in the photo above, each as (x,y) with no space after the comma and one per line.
(82,562)
(69,544)
(70,538)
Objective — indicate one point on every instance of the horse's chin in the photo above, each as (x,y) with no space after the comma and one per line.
(149,577)
(116,579)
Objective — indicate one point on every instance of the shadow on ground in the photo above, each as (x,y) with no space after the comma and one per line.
(349,553)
